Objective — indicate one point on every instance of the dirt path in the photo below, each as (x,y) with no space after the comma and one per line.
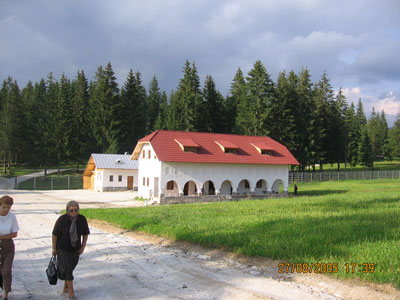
(128,266)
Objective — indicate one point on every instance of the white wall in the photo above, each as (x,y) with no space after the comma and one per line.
(218,173)
(149,168)
(102,179)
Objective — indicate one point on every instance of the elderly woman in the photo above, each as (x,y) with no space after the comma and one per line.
(69,239)
(8,231)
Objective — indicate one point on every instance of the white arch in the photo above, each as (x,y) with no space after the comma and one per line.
(243,188)
(226,188)
(276,186)
(190,188)
(168,192)
(208,188)
(261,187)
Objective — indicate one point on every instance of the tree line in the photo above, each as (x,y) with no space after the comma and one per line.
(54,121)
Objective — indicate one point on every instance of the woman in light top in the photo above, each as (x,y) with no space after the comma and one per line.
(8,231)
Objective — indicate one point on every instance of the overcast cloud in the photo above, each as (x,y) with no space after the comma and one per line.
(356,42)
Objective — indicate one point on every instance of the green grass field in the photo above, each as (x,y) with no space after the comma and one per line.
(329,222)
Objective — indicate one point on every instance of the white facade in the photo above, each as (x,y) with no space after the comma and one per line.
(149,173)
(113,179)
(178,178)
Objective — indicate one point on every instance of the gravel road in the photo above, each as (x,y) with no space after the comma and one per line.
(117,265)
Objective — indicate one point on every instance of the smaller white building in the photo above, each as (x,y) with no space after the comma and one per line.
(111,172)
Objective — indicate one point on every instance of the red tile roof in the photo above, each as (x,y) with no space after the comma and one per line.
(167,149)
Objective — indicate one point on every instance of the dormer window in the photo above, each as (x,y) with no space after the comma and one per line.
(187,145)
(230,150)
(190,149)
(227,147)
(266,152)
(263,149)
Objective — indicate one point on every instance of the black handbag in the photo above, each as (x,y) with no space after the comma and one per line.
(51,271)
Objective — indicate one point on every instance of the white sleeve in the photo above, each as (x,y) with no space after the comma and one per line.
(14,225)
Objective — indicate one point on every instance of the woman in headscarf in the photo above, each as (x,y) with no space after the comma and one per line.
(69,239)
(8,230)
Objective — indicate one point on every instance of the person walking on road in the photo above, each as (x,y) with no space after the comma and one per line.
(69,238)
(8,230)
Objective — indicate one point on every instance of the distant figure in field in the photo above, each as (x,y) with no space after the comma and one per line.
(295,189)
(69,239)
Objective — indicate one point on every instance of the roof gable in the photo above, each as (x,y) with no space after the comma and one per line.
(167,148)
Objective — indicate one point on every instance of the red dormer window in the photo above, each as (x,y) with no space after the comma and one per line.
(263,149)
(227,147)
(187,145)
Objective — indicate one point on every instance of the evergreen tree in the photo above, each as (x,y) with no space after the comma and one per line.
(393,145)
(30,134)
(378,132)
(39,114)
(339,131)
(214,109)
(323,94)
(10,122)
(104,95)
(79,141)
(153,104)
(361,118)
(161,121)
(261,92)
(366,157)
(304,120)
(132,113)
(61,120)
(237,102)
(186,108)
(280,129)
(353,136)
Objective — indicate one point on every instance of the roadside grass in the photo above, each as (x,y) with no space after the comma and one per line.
(329,222)
(378,165)
(19,171)
(54,182)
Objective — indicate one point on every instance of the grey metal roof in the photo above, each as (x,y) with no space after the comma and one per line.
(115,161)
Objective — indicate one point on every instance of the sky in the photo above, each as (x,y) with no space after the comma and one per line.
(357,43)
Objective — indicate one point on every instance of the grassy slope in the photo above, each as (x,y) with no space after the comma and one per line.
(331,222)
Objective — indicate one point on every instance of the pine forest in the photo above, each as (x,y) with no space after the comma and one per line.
(54,121)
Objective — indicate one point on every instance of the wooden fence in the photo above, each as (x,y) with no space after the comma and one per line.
(342,175)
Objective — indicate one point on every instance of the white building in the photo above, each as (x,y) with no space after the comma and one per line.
(175,163)
(111,172)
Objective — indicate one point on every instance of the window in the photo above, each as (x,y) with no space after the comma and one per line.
(190,149)
(259,184)
(246,184)
(170,185)
(230,150)
(149,154)
(119,178)
(148,181)
(111,178)
(266,152)
(144,181)
(143,154)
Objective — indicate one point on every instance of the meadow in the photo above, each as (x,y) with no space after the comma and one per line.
(345,222)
